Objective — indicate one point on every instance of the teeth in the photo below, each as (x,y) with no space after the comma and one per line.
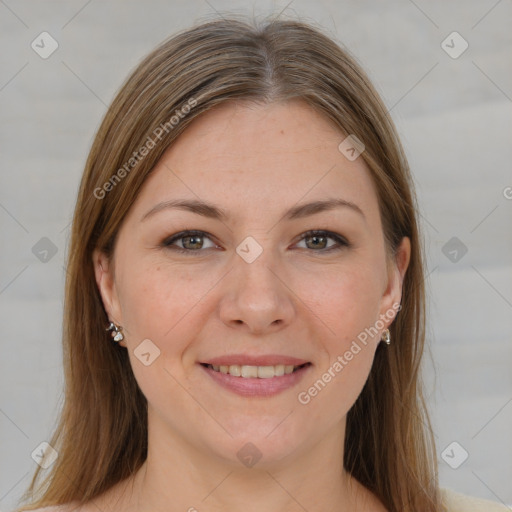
(266,372)
(279,370)
(235,370)
(252,372)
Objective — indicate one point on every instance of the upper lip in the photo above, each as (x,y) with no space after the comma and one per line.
(252,360)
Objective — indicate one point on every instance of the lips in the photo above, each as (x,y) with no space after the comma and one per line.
(253,376)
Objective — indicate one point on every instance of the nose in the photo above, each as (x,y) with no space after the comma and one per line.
(257,298)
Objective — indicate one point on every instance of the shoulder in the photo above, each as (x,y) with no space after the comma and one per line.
(455,502)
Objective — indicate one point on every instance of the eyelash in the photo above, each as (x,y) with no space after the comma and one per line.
(340,241)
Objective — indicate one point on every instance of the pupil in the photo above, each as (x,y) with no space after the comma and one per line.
(316,238)
(196,238)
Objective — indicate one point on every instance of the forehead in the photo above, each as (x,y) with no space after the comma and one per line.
(244,156)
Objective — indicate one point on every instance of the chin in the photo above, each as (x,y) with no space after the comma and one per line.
(261,444)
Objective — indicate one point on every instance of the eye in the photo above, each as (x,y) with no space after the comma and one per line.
(191,241)
(319,240)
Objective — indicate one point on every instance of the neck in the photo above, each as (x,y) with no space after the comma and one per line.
(179,476)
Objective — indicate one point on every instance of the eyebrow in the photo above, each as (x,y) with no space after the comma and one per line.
(214,212)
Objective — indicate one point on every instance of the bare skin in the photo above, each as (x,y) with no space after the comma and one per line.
(297,298)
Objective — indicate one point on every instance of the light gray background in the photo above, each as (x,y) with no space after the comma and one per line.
(454,116)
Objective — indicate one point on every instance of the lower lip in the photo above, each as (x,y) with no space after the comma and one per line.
(256,386)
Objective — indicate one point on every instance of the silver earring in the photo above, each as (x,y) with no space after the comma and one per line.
(386,337)
(116,333)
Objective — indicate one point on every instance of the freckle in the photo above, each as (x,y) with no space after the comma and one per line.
(282,131)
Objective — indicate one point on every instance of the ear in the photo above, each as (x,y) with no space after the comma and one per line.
(104,274)
(396,273)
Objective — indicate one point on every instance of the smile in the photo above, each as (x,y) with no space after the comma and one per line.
(256,381)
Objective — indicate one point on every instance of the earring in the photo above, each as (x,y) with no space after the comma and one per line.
(385,337)
(116,333)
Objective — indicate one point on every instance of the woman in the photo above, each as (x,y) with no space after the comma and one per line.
(244,310)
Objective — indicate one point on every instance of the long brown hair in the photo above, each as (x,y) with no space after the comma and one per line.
(101,437)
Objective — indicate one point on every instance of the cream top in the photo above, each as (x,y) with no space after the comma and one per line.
(456,502)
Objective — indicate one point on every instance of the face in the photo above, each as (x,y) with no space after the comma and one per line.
(251,286)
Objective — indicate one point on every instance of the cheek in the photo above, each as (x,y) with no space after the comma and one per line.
(158,304)
(348,308)
(169,306)
(156,298)
(348,311)
(346,299)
